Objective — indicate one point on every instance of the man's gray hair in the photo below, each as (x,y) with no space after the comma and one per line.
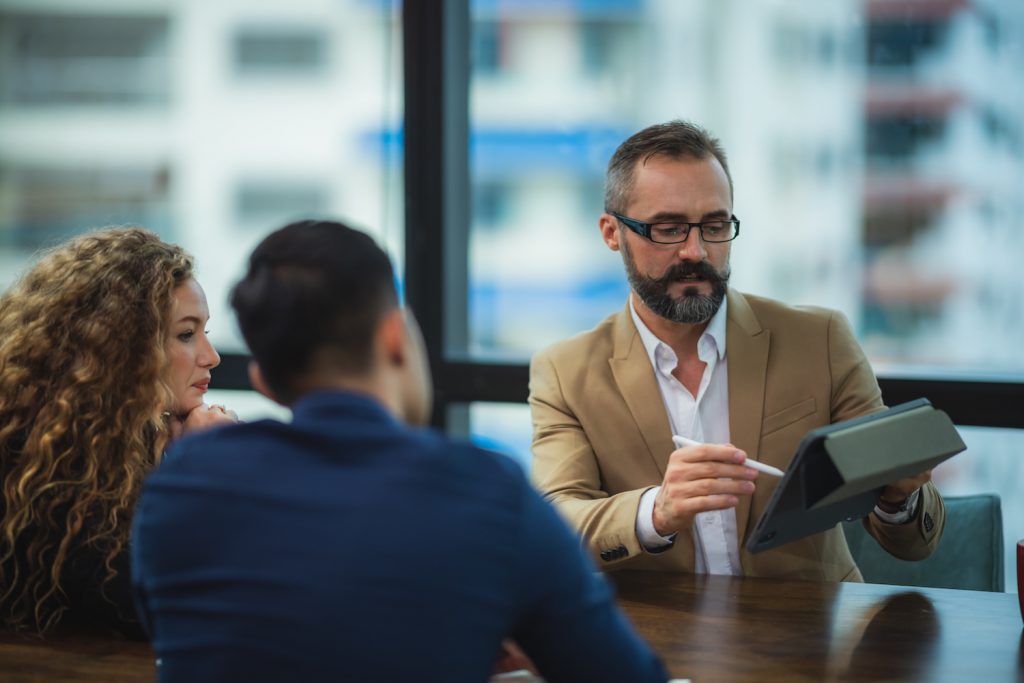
(675,139)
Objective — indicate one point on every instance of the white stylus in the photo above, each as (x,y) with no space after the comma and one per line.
(682,442)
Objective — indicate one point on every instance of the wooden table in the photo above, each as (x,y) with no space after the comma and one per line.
(716,628)
(709,629)
(75,658)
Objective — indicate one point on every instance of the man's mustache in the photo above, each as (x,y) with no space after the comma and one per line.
(686,269)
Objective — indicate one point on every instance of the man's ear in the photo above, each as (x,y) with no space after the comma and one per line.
(259,383)
(609,227)
(392,338)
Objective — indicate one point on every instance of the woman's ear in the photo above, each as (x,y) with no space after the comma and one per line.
(259,383)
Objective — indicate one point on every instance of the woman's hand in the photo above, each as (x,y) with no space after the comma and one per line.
(206,417)
(512,658)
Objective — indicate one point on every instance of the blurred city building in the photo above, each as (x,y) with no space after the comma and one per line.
(876,150)
(209,122)
(942,197)
(780,83)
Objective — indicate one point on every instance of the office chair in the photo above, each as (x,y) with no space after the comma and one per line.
(969,555)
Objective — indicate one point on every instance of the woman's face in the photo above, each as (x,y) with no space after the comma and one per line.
(189,352)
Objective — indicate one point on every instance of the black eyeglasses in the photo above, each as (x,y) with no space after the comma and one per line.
(722,230)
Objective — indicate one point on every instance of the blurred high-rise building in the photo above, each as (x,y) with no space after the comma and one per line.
(209,122)
(945,167)
(555,91)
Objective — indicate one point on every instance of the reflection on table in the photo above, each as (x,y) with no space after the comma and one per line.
(74,658)
(718,628)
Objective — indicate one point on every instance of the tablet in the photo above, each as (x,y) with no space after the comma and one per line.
(839,471)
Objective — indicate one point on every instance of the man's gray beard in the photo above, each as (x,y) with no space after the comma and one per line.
(690,307)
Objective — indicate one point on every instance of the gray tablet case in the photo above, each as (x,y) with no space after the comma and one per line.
(840,470)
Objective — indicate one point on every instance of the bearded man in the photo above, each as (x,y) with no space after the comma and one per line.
(740,375)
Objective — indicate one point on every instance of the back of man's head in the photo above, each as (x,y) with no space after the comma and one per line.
(314,294)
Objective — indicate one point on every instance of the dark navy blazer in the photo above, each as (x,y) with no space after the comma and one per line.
(345,546)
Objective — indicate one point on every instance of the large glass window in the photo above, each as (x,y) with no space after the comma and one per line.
(876,150)
(210,123)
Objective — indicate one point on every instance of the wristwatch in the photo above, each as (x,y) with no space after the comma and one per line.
(898,514)
(894,508)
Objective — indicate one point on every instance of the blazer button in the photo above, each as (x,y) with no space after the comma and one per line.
(928,523)
(606,555)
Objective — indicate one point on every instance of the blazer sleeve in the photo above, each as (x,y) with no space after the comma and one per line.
(566,470)
(855,392)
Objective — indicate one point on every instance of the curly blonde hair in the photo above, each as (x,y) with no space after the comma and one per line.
(82,407)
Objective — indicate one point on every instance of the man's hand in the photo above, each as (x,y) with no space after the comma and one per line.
(699,479)
(895,493)
(205,417)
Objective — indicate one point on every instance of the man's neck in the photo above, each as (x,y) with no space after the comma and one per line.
(371,386)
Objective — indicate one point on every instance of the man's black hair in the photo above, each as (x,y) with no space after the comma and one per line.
(313,289)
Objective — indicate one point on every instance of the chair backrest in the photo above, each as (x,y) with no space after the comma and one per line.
(969,555)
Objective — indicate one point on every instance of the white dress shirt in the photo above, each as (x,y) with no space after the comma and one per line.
(703,418)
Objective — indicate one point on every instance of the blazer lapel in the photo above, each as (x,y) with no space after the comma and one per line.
(631,368)
(747,348)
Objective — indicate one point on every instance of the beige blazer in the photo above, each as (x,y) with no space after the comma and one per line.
(601,436)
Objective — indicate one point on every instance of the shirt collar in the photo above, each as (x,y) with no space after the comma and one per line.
(715,331)
(330,403)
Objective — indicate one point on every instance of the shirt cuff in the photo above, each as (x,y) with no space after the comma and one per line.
(650,539)
(904,515)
